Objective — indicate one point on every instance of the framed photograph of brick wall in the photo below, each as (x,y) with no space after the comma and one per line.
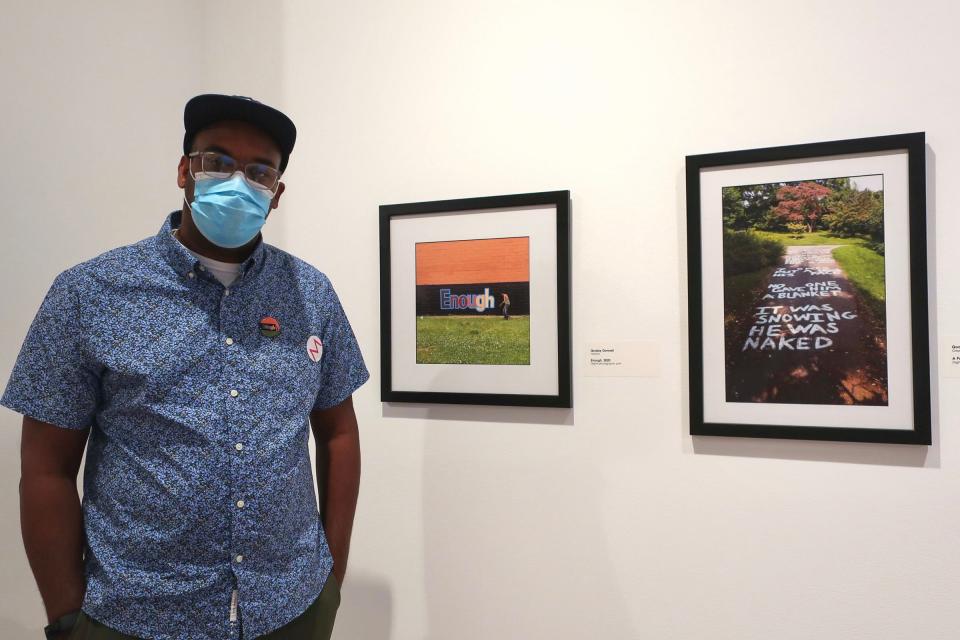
(475,300)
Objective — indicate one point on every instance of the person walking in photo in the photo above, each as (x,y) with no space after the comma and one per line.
(505,305)
(192,365)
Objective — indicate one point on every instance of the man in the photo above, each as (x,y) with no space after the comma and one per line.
(505,305)
(194,360)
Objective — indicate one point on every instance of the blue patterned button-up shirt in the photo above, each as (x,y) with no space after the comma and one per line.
(198,480)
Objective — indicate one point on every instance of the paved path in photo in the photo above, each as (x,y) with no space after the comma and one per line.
(805,340)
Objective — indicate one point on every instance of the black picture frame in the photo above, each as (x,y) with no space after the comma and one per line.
(563,397)
(919,431)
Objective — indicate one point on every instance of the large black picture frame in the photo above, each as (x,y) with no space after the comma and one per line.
(781,419)
(390,390)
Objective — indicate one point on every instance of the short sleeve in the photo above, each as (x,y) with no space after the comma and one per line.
(342,368)
(52,380)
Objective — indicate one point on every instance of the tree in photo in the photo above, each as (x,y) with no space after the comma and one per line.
(805,202)
(758,200)
(856,213)
(734,214)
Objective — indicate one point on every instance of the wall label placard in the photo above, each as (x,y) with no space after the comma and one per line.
(623,358)
(950,356)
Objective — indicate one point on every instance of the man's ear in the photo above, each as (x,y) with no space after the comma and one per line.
(182,170)
(276,198)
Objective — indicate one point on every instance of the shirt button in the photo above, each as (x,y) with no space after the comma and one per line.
(234,393)
(226,292)
(202,268)
(190,274)
(239,557)
(240,503)
(238,446)
(229,340)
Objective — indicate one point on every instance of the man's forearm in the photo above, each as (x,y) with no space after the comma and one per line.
(51,522)
(338,469)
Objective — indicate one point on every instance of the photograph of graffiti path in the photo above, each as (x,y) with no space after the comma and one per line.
(473,301)
(804,294)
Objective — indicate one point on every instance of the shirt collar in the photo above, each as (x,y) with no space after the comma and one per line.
(182,259)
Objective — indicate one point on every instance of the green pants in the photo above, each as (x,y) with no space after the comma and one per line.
(316,623)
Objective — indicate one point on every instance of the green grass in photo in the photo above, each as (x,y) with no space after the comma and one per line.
(473,340)
(865,269)
(810,238)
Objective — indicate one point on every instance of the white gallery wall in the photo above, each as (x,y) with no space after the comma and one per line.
(605,521)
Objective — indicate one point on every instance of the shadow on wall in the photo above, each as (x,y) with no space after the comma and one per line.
(366,609)
(477,413)
(891,455)
(933,459)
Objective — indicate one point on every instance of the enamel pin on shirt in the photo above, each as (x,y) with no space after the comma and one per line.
(269,327)
(314,348)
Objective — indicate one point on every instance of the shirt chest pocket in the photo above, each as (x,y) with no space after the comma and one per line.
(283,363)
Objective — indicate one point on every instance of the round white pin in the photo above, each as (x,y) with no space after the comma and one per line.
(314,348)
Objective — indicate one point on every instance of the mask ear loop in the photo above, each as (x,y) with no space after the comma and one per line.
(190,172)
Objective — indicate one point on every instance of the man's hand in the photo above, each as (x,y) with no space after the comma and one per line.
(51,520)
(338,477)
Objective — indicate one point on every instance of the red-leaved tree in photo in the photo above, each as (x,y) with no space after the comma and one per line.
(803,203)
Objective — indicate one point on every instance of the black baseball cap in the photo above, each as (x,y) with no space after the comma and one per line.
(203,110)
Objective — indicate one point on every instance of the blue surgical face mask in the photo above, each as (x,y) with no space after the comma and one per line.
(228,211)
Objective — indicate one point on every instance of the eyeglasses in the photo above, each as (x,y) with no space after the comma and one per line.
(219,165)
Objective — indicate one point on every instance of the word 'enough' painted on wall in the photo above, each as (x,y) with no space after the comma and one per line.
(477,301)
